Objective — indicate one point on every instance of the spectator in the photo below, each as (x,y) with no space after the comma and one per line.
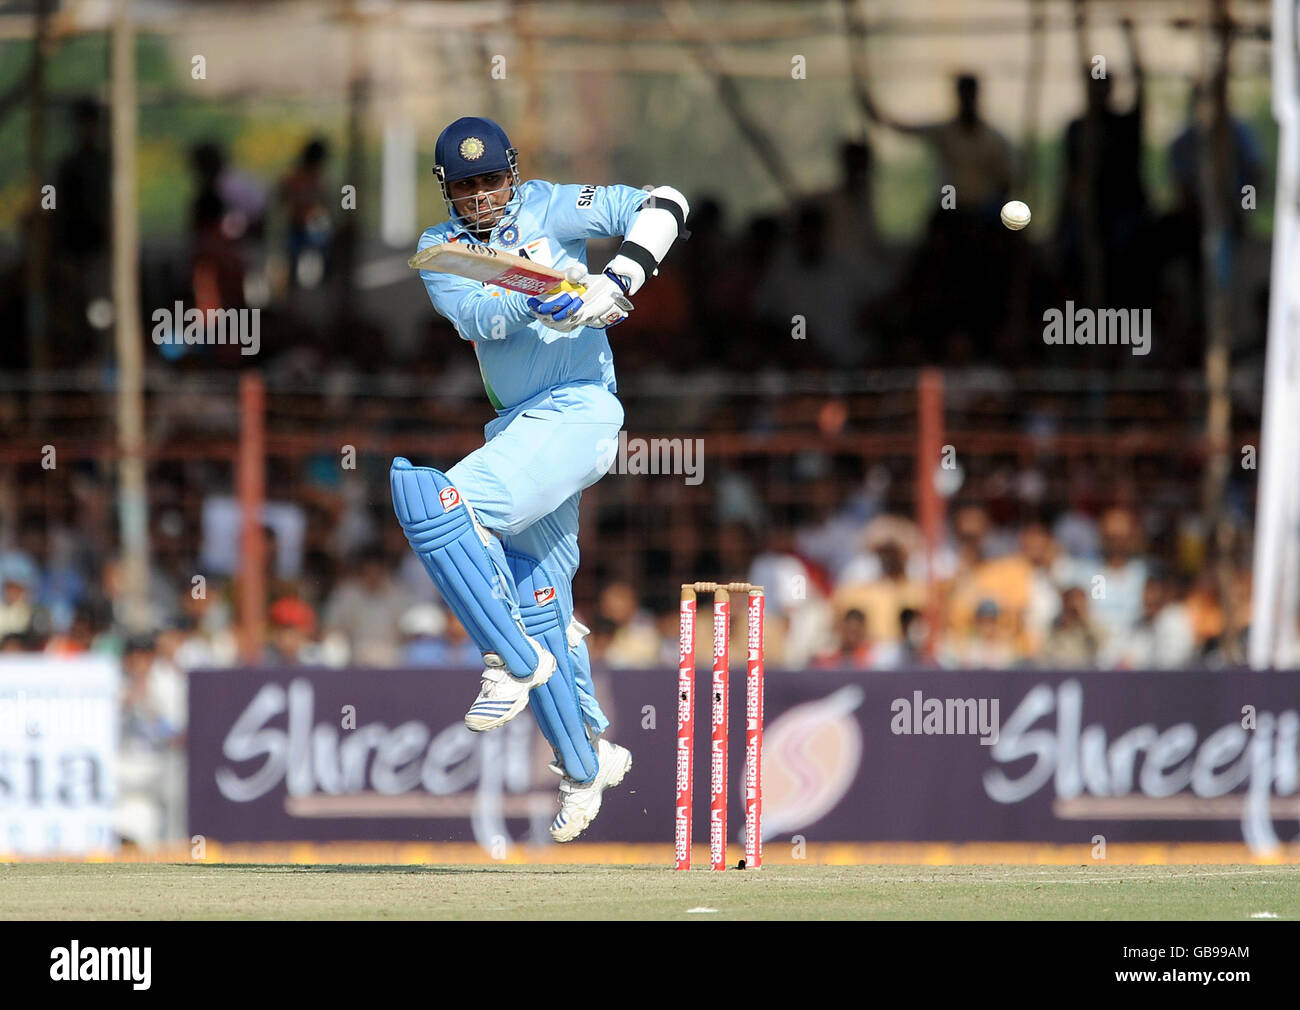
(14,642)
(217,265)
(79,239)
(956,280)
(915,640)
(1073,641)
(210,637)
(850,207)
(242,196)
(78,640)
(293,627)
(884,599)
(306,203)
(853,651)
(181,649)
(972,157)
(823,290)
(1205,608)
(1161,639)
(795,599)
(1020,584)
(366,609)
(634,641)
(602,633)
(1115,585)
(461,651)
(150,760)
(19,612)
(990,643)
(423,628)
(1105,212)
(909,651)
(161,594)
(63,585)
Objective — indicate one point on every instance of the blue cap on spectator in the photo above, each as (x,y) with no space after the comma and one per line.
(16,568)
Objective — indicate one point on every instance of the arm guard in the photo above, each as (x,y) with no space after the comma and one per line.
(658,222)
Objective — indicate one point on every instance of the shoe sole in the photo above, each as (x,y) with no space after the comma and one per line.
(627,767)
(520,704)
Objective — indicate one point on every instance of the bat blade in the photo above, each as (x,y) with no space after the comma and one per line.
(492,266)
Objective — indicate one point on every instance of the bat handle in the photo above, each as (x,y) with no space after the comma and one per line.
(574,276)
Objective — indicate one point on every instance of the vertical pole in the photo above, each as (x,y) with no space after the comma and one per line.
(685,729)
(929,447)
(38,235)
(718,753)
(132,501)
(1086,208)
(754,733)
(348,238)
(252,494)
(1218,253)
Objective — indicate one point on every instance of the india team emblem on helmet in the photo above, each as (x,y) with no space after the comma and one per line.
(471,148)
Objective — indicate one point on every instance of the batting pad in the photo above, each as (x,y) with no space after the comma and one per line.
(442,532)
(555,704)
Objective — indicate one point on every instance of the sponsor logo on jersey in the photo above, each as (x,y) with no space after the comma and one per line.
(586,196)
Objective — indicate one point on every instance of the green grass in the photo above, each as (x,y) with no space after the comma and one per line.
(242,891)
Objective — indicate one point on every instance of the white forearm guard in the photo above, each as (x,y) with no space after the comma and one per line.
(657,224)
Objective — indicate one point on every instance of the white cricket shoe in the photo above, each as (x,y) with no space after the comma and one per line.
(502,696)
(580,801)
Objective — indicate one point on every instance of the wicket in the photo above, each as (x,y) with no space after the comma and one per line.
(683,836)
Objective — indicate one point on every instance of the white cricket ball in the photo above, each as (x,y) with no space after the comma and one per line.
(1015,215)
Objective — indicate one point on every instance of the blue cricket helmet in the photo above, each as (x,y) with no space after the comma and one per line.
(473,146)
(470,146)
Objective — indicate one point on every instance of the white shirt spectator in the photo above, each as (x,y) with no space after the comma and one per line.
(1166,642)
(1114,599)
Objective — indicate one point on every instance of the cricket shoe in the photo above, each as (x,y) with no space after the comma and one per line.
(580,801)
(502,696)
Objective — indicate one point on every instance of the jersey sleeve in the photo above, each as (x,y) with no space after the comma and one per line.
(478,311)
(579,212)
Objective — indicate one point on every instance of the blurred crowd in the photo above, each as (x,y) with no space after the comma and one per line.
(1079,591)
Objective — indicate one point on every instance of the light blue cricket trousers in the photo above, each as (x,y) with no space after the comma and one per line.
(526,482)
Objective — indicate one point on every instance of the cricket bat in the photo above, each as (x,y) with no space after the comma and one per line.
(492,266)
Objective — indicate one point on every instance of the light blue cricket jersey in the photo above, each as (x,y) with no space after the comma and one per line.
(518,356)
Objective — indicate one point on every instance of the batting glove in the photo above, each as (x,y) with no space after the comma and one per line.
(558,312)
(604,303)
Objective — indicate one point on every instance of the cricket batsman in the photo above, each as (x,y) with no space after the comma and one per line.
(498,532)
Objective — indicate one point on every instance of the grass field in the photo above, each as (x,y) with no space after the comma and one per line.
(230,891)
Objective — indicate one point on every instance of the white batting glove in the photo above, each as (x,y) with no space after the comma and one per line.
(604,303)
